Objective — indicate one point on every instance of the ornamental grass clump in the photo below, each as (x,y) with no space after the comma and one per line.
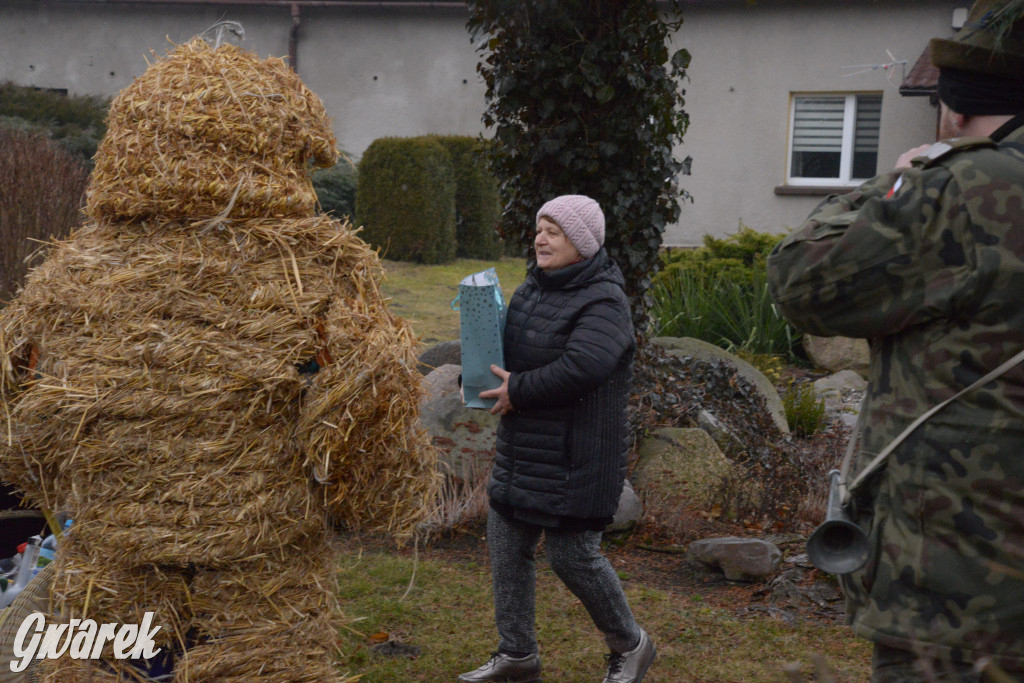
(805,411)
(206,375)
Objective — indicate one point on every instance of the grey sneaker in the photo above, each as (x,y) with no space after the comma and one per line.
(631,667)
(504,669)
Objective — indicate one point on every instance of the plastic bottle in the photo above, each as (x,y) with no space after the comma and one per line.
(47,551)
(26,570)
(49,543)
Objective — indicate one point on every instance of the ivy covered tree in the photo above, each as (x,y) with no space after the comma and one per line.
(584,97)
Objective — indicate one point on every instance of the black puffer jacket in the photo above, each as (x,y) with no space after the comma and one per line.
(569,346)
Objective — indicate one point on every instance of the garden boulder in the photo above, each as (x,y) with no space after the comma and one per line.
(442,381)
(443,353)
(839,384)
(842,393)
(629,512)
(838,353)
(464,437)
(740,559)
(680,463)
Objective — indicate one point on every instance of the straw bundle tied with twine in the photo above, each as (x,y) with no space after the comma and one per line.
(207,372)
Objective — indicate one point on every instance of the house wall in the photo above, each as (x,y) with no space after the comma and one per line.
(406,71)
(749,59)
(380,71)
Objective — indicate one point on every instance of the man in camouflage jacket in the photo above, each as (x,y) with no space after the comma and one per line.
(927,263)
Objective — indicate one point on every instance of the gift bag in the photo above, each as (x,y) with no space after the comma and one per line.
(481,328)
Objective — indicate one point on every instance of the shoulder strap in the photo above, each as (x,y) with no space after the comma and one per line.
(943,148)
(884,453)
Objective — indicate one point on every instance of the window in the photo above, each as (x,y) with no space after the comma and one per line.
(834,139)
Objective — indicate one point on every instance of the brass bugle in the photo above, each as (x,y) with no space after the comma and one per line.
(838,545)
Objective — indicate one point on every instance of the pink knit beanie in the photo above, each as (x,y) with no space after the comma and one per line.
(580,218)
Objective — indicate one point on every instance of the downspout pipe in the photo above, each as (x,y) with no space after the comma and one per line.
(293,38)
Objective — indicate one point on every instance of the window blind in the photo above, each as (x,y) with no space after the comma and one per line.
(818,124)
(869,116)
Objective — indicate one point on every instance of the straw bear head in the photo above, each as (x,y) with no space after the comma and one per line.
(210,132)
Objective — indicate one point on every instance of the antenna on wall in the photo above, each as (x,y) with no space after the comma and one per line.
(889,67)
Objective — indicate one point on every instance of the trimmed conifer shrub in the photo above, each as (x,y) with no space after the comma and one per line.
(406,200)
(336,188)
(477,205)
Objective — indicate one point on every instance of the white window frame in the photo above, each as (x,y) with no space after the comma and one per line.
(846,154)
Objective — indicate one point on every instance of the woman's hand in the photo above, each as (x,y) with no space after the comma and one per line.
(504,405)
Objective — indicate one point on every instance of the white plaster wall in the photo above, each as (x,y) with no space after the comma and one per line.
(97,49)
(396,73)
(379,72)
(400,72)
(748,59)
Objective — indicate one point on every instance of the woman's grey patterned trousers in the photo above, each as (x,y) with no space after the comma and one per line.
(575,557)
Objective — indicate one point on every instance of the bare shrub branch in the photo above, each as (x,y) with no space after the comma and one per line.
(41,190)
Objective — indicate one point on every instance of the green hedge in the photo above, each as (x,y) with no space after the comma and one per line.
(406,200)
(742,251)
(76,122)
(336,188)
(732,259)
(477,205)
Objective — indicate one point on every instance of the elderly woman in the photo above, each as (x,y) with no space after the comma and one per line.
(562,443)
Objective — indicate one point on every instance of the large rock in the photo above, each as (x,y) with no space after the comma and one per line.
(839,384)
(741,559)
(838,353)
(688,346)
(464,436)
(442,381)
(629,512)
(680,462)
(726,439)
(843,393)
(443,353)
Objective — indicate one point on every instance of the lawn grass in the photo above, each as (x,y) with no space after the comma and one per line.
(448,616)
(422,294)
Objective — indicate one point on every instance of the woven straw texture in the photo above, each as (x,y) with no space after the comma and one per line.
(206,374)
(34,598)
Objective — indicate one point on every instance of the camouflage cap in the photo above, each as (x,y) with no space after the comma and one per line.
(991,42)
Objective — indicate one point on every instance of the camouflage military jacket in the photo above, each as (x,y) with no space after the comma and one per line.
(932,274)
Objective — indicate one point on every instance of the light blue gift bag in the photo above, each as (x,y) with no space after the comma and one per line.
(481,328)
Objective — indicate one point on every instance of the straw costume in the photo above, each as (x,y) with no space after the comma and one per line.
(206,374)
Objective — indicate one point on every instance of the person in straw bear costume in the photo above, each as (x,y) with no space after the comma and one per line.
(205,375)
